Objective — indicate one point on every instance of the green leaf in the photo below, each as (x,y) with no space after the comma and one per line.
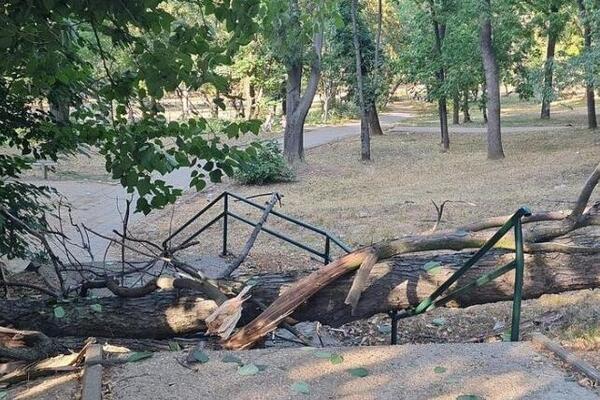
(431,264)
(438,321)
(301,387)
(359,372)
(174,346)
(468,397)
(230,358)
(96,307)
(506,336)
(3,395)
(432,267)
(248,369)
(336,359)
(59,312)
(323,354)
(439,370)
(200,356)
(139,355)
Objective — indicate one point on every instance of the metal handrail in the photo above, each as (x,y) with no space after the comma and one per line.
(329,238)
(518,264)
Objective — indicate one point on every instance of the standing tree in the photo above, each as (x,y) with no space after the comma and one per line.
(365,140)
(492,80)
(296,38)
(439,34)
(588,67)
(555,23)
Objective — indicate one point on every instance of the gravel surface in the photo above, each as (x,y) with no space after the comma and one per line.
(433,371)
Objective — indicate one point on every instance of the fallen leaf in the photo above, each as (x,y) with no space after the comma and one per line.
(438,321)
(200,356)
(248,369)
(174,346)
(359,372)
(59,312)
(468,397)
(301,387)
(439,370)
(96,307)
(322,354)
(139,355)
(336,359)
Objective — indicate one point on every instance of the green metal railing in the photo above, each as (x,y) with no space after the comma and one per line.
(226,213)
(434,300)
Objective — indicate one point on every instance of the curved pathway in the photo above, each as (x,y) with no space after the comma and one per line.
(97,204)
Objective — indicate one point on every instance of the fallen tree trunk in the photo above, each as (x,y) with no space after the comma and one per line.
(397,283)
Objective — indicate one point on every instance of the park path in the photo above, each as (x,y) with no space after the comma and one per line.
(491,371)
(98,204)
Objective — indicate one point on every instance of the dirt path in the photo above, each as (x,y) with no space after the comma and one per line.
(411,372)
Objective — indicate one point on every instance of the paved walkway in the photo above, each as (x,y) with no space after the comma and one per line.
(495,371)
(97,204)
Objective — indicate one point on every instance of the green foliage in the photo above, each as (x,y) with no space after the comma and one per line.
(92,65)
(268,166)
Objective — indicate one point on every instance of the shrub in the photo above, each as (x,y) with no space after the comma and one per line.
(268,166)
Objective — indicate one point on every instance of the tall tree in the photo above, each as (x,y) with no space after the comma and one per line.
(295,35)
(365,140)
(492,80)
(588,70)
(549,64)
(439,32)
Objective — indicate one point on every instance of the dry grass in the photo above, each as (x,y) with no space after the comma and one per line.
(391,196)
(568,111)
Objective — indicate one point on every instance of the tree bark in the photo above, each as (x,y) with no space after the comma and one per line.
(398,283)
(549,66)
(456,110)
(589,83)
(297,105)
(492,83)
(365,139)
(374,124)
(466,113)
(439,31)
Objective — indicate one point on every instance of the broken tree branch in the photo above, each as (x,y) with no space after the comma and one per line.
(250,242)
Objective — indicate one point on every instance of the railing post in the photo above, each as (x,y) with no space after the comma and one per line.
(519,269)
(327,259)
(225,215)
(394,330)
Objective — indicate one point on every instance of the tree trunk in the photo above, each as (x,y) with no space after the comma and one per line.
(549,66)
(439,31)
(492,85)
(374,124)
(456,110)
(297,105)
(443,114)
(365,140)
(394,284)
(59,112)
(589,83)
(293,137)
(466,114)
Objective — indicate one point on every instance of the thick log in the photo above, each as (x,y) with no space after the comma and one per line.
(395,284)
(158,315)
